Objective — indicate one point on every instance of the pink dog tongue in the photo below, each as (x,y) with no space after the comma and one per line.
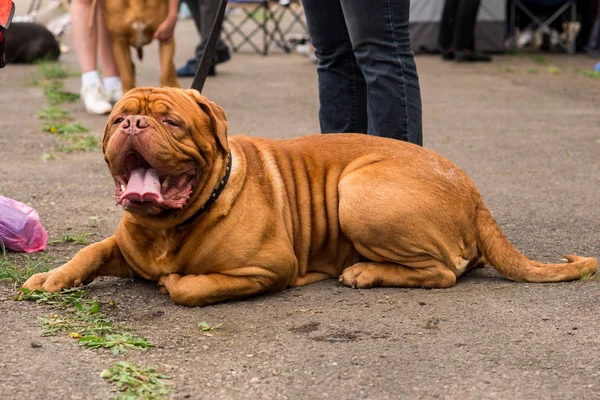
(144,185)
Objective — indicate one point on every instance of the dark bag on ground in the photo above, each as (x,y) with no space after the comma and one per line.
(28,42)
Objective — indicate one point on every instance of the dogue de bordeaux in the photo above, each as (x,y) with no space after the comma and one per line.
(133,23)
(213,218)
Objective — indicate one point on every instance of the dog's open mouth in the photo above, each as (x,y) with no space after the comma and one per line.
(140,187)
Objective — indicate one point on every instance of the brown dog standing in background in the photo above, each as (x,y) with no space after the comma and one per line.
(212,218)
(133,23)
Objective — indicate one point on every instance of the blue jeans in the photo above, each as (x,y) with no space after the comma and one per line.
(368,79)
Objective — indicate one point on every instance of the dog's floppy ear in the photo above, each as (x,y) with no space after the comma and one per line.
(216,114)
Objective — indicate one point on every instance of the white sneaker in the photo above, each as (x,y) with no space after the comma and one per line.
(95,100)
(113,95)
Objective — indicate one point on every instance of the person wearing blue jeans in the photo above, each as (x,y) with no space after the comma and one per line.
(367,74)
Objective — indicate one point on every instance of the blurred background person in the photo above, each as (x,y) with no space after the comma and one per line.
(457,31)
(97,96)
(204,13)
(593,47)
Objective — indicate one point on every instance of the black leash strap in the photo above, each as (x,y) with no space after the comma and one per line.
(209,51)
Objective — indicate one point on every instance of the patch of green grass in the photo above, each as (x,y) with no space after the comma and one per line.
(64,298)
(49,156)
(79,143)
(53,113)
(50,76)
(93,329)
(206,327)
(588,276)
(84,321)
(52,70)
(533,71)
(78,324)
(590,74)
(18,275)
(258,15)
(539,59)
(132,382)
(508,69)
(63,128)
(72,134)
(554,70)
(117,343)
(66,238)
(56,94)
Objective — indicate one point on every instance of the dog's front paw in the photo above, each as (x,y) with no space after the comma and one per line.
(167,281)
(53,281)
(359,277)
(36,282)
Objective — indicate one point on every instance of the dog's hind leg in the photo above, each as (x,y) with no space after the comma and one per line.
(413,230)
(366,275)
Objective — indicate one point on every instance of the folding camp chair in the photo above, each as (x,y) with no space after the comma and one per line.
(262,24)
(542,24)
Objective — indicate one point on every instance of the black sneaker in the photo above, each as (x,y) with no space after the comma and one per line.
(447,55)
(222,55)
(472,56)
(188,70)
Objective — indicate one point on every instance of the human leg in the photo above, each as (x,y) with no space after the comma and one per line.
(380,35)
(594,39)
(85,41)
(208,12)
(204,13)
(466,16)
(447,24)
(464,33)
(342,88)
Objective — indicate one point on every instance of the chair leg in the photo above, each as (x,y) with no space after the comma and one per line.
(266,21)
(572,36)
(277,15)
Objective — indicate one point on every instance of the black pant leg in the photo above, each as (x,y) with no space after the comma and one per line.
(446,36)
(466,17)
(194,6)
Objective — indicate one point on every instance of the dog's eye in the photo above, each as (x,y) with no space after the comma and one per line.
(170,122)
(117,120)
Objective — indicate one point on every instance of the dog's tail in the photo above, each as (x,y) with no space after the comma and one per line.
(140,40)
(498,251)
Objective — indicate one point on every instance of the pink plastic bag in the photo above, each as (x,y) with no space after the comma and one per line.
(20,227)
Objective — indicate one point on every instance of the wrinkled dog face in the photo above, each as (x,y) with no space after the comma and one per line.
(157,144)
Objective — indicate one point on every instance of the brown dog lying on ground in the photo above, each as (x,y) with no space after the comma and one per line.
(213,218)
(133,23)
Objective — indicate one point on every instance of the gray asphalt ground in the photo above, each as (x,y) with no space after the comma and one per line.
(528,137)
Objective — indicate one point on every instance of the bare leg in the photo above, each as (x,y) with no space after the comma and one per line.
(99,259)
(84,40)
